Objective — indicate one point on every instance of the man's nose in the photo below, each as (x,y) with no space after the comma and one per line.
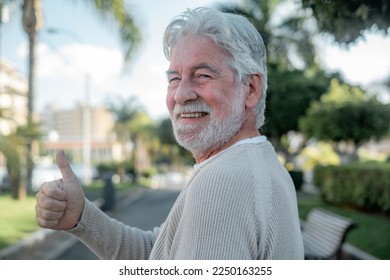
(185,92)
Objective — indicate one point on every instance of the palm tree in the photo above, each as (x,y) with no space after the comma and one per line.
(132,125)
(124,110)
(33,21)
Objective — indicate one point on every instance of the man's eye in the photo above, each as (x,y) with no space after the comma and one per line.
(204,76)
(173,79)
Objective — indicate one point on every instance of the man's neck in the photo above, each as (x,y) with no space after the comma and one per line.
(204,155)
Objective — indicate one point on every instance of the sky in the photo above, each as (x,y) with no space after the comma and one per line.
(86,47)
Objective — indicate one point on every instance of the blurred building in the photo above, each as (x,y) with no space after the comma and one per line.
(64,129)
(13,98)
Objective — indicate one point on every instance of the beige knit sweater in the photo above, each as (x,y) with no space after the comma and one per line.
(240,204)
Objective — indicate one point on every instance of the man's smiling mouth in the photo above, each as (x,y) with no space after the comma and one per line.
(192,115)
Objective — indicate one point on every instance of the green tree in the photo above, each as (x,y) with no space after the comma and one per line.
(165,132)
(13,163)
(145,141)
(347,19)
(33,22)
(290,93)
(286,39)
(14,149)
(347,118)
(134,128)
(26,136)
(124,111)
(291,86)
(171,152)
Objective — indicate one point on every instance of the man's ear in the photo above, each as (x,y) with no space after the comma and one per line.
(254,94)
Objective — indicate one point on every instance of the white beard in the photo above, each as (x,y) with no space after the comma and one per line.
(215,133)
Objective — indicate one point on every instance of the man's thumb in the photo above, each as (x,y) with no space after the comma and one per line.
(64,166)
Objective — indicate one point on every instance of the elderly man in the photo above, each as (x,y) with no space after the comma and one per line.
(240,202)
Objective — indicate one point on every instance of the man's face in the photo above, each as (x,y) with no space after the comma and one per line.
(205,106)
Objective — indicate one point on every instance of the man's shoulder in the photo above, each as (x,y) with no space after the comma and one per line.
(227,175)
(241,159)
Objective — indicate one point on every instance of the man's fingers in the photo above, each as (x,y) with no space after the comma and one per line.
(47,214)
(53,189)
(50,204)
(45,223)
(51,197)
(49,211)
(64,166)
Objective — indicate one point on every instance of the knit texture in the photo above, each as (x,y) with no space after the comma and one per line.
(241,204)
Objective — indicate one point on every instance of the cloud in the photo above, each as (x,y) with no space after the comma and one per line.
(71,61)
(62,76)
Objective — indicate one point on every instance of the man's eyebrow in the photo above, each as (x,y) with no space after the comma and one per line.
(207,66)
(204,65)
(171,72)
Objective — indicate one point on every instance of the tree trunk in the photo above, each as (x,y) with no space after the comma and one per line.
(32,22)
(30,110)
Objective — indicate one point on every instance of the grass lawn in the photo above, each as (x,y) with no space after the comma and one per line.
(371,234)
(17,219)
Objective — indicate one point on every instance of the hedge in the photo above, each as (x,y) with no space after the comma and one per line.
(365,186)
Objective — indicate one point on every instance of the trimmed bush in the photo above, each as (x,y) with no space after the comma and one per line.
(116,167)
(365,186)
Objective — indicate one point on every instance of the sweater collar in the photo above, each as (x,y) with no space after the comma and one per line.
(254,140)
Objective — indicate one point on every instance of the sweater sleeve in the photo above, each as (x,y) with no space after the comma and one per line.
(111,239)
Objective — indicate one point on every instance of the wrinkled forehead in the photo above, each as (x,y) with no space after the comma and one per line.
(199,50)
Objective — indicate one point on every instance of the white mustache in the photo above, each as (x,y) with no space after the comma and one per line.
(191,108)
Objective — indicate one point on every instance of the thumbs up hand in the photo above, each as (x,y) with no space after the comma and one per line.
(60,203)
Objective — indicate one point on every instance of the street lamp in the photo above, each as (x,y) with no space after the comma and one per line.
(86,137)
